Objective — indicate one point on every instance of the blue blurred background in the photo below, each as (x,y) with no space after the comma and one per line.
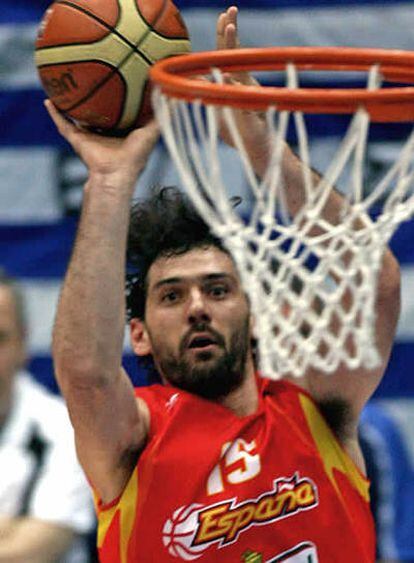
(41,185)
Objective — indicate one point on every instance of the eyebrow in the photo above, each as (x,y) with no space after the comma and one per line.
(207,277)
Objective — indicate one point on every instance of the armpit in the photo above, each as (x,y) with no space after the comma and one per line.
(338,415)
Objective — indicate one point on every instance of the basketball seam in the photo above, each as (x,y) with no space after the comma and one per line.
(96,87)
(108,27)
(151,25)
(134,49)
(115,31)
(114,70)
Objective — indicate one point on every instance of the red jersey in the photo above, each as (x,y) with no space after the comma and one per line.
(211,486)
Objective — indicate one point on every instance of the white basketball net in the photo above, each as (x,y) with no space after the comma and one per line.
(321,316)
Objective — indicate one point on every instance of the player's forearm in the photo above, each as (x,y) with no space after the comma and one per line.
(332,210)
(25,540)
(388,281)
(89,328)
(260,153)
(293,175)
(294,178)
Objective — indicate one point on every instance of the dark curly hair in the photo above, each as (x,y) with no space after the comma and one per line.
(165,224)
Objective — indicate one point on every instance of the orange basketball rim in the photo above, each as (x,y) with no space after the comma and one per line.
(179,77)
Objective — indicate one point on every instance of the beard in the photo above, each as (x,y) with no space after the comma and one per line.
(210,375)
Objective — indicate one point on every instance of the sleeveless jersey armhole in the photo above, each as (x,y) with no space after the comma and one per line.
(330,449)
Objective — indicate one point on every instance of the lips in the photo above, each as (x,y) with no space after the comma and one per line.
(201,341)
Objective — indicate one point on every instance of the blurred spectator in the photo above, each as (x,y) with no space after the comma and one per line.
(387,440)
(46,510)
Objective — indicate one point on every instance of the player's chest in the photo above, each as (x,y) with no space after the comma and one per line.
(247,482)
(268,467)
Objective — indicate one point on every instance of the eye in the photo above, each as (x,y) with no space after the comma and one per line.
(218,290)
(170,296)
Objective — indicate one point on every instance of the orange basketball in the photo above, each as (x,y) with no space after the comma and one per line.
(93,58)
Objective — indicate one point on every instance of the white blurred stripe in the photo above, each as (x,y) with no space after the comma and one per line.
(42,296)
(28,189)
(386,26)
(17,68)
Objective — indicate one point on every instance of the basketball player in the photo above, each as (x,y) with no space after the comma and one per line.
(216,464)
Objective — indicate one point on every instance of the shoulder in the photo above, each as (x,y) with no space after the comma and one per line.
(285,393)
(154,403)
(156,398)
(290,401)
(154,393)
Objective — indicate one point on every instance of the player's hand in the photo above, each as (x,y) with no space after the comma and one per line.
(228,38)
(251,124)
(108,155)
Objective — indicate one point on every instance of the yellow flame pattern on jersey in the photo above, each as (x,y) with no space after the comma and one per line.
(332,453)
(127,506)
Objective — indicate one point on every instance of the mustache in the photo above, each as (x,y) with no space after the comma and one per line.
(204,328)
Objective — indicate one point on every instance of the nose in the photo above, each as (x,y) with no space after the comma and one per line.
(197,307)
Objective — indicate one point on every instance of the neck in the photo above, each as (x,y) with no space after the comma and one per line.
(245,399)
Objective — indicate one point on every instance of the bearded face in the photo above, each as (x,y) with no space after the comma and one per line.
(197,322)
(205,363)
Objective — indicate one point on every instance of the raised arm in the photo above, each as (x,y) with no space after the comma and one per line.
(110,426)
(354,387)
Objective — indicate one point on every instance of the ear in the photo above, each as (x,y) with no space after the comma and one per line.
(140,340)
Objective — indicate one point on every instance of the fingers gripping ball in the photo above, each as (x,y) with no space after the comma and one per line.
(93,58)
